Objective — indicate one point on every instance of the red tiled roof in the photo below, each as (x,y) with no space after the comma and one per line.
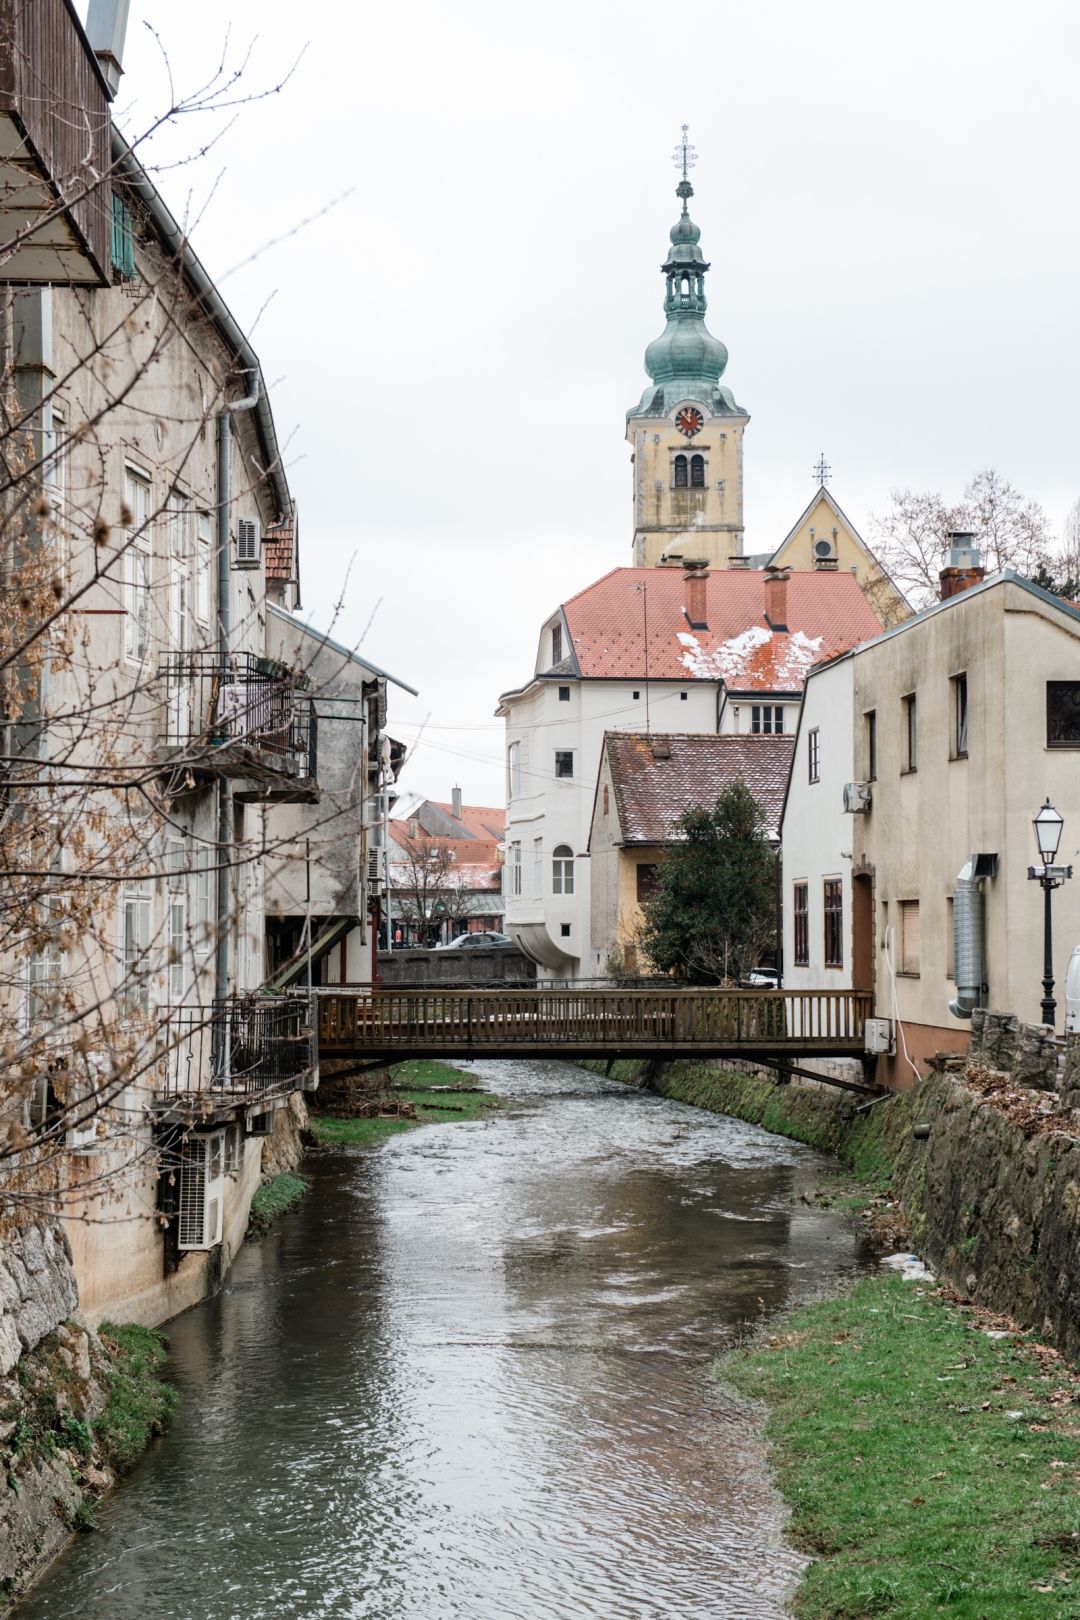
(652,792)
(278,551)
(466,851)
(826,614)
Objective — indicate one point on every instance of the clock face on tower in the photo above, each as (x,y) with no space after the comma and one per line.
(689,421)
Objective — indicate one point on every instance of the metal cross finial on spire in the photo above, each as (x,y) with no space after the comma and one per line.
(684,156)
(822,471)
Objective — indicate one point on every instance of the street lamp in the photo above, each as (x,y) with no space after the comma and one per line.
(1048,824)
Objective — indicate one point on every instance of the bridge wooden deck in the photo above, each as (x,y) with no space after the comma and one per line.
(769,1024)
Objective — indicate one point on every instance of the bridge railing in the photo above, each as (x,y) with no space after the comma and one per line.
(384,1021)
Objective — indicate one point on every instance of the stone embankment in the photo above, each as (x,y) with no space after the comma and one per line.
(984,1157)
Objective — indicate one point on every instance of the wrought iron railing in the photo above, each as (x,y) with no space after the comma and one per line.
(240,703)
(246,1046)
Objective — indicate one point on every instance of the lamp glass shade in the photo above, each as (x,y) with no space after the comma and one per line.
(1048,825)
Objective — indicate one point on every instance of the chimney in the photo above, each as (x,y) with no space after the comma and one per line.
(106,26)
(455,799)
(963,568)
(776,580)
(695,609)
(739,561)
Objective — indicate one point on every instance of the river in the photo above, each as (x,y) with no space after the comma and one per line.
(469,1377)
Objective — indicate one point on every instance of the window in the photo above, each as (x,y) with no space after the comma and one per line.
(564,930)
(135,915)
(562,869)
(697,472)
(564,694)
(179,578)
(911,734)
(122,241)
(870,721)
(513,770)
(45,969)
(800,912)
(178,977)
(647,873)
(680,472)
(202,569)
(564,763)
(1063,714)
(834,922)
(204,935)
(960,716)
(515,869)
(682,697)
(813,753)
(605,798)
(538,866)
(56,482)
(635,695)
(767,719)
(137,566)
(909,936)
(556,644)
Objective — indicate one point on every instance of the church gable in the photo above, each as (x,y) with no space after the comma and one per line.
(824,538)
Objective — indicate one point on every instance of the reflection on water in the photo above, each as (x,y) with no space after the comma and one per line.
(468,1376)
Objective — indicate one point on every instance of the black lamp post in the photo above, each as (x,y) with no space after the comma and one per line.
(1048,824)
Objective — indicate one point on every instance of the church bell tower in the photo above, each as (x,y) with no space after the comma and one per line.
(687,432)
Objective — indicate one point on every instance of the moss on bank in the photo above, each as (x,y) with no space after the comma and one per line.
(139,1403)
(275,1195)
(930,1469)
(458,1098)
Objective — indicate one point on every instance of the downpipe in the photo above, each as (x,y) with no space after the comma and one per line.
(224,804)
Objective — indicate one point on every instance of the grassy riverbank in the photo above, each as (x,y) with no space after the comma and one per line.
(275,1195)
(439,1093)
(930,1469)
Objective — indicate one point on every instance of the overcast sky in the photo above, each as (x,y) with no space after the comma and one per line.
(887,195)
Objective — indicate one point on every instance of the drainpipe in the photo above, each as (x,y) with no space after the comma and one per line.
(969,930)
(224,833)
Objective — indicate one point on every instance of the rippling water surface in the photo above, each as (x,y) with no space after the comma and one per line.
(468,1376)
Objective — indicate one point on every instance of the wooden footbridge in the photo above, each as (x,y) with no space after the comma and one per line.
(774,1026)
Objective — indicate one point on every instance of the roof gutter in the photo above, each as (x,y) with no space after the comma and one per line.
(177,242)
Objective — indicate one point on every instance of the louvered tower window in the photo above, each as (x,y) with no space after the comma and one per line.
(680,472)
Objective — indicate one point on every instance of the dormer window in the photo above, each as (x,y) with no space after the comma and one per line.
(681,470)
(556,644)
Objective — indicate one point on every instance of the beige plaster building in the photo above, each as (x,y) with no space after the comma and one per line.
(958,724)
(644,784)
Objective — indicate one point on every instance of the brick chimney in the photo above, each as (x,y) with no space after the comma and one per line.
(963,568)
(776,581)
(695,609)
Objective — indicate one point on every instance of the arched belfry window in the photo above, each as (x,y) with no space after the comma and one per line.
(680,472)
(697,472)
(562,869)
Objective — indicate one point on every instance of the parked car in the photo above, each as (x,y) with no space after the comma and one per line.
(760,979)
(466,942)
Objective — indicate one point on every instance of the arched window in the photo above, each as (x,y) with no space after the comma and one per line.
(680,472)
(697,472)
(562,869)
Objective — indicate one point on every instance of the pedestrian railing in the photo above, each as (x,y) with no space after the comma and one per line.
(394,1023)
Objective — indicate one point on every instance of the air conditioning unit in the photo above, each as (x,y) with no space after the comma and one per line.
(247,542)
(374,871)
(857,798)
(202,1191)
(878,1036)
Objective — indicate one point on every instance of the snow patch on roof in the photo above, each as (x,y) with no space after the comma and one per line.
(730,660)
(800,653)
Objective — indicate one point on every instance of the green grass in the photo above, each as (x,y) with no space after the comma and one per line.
(413,1082)
(139,1404)
(275,1195)
(908,1482)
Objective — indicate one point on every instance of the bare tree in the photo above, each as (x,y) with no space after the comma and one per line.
(429,887)
(912,537)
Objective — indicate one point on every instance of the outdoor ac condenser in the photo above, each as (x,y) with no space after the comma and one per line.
(879,1036)
(857,797)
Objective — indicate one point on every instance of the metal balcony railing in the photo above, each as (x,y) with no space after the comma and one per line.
(245,1047)
(238,716)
